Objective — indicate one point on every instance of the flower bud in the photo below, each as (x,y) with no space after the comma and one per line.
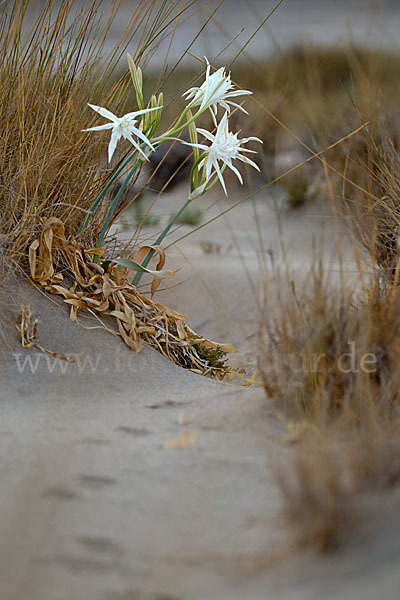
(151,120)
(137,79)
(193,134)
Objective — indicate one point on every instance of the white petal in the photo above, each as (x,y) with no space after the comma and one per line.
(226,106)
(213,111)
(192,91)
(200,146)
(223,125)
(115,136)
(104,113)
(206,134)
(209,165)
(234,169)
(247,149)
(218,171)
(135,145)
(136,113)
(100,127)
(238,106)
(237,93)
(248,161)
(142,137)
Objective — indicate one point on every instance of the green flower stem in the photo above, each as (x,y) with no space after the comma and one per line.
(103,192)
(150,254)
(158,241)
(176,128)
(113,206)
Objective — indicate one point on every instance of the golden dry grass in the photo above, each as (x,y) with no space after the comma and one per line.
(49,70)
(49,168)
(330,367)
(335,350)
(320,93)
(331,350)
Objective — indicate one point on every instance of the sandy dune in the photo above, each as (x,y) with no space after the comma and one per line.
(95,505)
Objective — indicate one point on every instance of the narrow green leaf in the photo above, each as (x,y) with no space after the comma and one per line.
(134,266)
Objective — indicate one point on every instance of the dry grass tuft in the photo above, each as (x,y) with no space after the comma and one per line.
(330,365)
(320,92)
(374,213)
(334,354)
(331,353)
(318,507)
(49,69)
(48,167)
(325,488)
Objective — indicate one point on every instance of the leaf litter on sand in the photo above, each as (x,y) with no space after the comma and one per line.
(28,331)
(65,267)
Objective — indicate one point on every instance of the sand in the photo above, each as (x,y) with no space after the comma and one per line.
(95,505)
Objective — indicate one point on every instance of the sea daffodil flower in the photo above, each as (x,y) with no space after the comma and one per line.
(123,127)
(216,90)
(225,147)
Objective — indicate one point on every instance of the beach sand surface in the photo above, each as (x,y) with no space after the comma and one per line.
(95,504)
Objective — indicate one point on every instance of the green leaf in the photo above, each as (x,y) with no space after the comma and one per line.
(134,266)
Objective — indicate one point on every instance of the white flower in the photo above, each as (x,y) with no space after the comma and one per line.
(123,127)
(225,147)
(216,90)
